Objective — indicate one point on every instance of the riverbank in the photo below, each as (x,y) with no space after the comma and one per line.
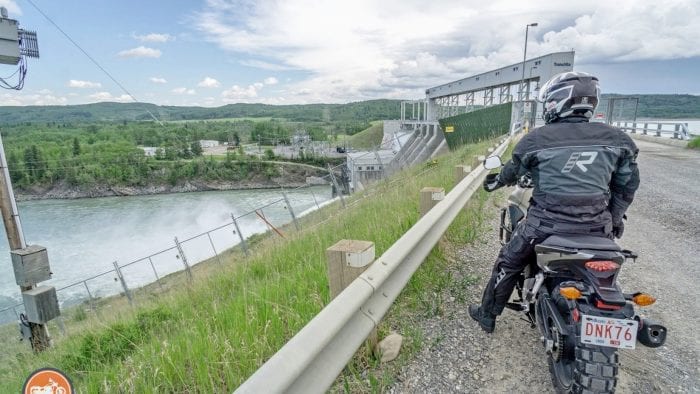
(291,177)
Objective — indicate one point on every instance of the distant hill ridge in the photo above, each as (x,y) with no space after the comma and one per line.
(650,106)
(107,111)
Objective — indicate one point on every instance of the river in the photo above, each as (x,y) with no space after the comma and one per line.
(85,236)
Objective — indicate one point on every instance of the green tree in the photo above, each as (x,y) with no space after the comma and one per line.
(196,148)
(76,147)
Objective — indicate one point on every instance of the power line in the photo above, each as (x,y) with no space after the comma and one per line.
(92,59)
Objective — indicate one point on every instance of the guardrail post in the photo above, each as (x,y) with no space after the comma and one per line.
(476,162)
(347,259)
(181,254)
(460,172)
(676,133)
(244,245)
(645,128)
(291,210)
(121,279)
(429,197)
(658,130)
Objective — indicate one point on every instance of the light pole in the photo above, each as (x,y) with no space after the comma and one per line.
(521,96)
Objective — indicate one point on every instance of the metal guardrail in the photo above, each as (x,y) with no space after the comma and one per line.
(674,130)
(314,357)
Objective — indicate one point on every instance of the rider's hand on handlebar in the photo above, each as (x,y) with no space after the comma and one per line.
(492,182)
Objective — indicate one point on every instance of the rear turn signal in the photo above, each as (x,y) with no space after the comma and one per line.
(643,299)
(570,293)
(602,265)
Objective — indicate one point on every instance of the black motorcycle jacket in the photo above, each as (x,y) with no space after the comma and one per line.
(584,174)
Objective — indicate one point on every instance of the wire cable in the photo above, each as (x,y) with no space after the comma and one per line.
(92,59)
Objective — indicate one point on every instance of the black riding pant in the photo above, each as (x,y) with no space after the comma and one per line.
(512,259)
(519,251)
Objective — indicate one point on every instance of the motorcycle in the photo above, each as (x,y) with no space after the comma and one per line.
(569,291)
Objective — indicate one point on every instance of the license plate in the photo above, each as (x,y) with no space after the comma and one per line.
(606,331)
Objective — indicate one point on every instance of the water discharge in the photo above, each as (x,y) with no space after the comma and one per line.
(85,236)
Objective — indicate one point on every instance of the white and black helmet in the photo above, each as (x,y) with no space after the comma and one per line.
(569,93)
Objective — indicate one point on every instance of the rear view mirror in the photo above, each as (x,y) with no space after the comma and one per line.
(492,162)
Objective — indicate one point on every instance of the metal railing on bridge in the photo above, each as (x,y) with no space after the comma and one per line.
(676,130)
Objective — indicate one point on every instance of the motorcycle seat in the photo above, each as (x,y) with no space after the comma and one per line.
(580,242)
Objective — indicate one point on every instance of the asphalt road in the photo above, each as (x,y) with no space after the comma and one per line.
(663,228)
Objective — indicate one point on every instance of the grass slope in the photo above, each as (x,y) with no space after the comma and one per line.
(209,336)
(368,138)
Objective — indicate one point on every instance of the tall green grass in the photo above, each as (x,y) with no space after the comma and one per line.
(209,336)
(694,143)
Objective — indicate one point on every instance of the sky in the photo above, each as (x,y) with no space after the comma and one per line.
(216,52)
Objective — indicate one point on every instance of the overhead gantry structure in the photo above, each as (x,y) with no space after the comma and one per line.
(498,86)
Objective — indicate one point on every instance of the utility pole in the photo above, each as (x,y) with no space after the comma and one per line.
(30,262)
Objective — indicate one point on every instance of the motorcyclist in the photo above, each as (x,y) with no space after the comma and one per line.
(584,175)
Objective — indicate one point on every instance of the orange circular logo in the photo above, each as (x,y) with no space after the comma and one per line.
(48,381)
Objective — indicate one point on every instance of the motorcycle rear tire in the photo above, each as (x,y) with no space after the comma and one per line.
(586,369)
(594,370)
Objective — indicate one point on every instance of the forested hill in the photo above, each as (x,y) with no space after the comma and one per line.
(359,111)
(668,106)
(650,106)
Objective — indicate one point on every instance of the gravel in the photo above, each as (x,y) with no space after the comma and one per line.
(458,357)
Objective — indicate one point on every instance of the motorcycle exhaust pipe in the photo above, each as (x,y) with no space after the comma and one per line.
(651,333)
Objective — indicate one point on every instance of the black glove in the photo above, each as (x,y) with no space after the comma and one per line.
(618,229)
(492,182)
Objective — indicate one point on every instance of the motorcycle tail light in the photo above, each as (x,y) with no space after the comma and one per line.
(602,265)
(643,299)
(570,293)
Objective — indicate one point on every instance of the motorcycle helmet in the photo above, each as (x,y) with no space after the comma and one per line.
(569,93)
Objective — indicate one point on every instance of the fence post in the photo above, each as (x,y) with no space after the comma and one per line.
(291,210)
(335,184)
(314,197)
(346,260)
(184,258)
(429,197)
(121,279)
(244,245)
(218,258)
(155,272)
(92,300)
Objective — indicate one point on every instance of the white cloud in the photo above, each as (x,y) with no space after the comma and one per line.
(42,97)
(184,91)
(158,80)
(366,48)
(270,81)
(154,37)
(106,96)
(73,83)
(237,94)
(141,51)
(13,9)
(264,65)
(209,82)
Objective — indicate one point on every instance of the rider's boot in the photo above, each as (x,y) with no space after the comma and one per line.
(486,320)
